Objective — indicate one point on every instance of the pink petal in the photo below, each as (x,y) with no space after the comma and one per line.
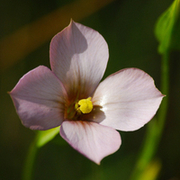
(93,140)
(38,98)
(129,99)
(78,56)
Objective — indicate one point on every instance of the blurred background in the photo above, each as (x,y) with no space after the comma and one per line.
(26,28)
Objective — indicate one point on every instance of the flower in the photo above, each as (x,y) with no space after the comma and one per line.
(71,96)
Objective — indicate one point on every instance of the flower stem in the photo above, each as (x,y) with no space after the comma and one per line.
(155,127)
(165,90)
(30,160)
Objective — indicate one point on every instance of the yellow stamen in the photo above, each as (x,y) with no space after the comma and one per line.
(84,105)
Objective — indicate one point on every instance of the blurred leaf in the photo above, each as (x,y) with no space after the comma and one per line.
(46,136)
(152,171)
(31,36)
(167,29)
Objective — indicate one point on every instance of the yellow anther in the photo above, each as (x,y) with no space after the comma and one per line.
(85,105)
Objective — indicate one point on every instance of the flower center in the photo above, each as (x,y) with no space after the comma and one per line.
(84,106)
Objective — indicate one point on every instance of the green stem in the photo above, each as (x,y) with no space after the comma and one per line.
(30,160)
(155,127)
(42,137)
(165,90)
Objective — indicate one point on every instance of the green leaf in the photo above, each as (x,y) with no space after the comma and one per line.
(152,170)
(46,136)
(167,29)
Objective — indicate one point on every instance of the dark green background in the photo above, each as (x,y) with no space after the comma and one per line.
(128,27)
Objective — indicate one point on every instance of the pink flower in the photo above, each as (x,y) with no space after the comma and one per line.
(70,95)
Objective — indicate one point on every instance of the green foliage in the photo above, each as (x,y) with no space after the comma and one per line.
(46,136)
(168,28)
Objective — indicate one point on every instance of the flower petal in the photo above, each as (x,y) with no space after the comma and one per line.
(129,99)
(78,56)
(93,140)
(38,98)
